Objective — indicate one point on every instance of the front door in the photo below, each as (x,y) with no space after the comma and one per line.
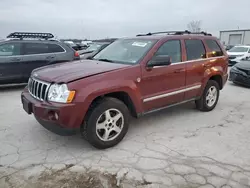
(36,55)
(164,85)
(11,68)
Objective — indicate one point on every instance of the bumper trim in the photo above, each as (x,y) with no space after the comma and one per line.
(57,129)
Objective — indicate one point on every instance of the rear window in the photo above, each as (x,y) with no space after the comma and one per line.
(195,49)
(54,48)
(214,47)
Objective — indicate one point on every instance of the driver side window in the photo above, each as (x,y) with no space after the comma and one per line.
(172,48)
(10,49)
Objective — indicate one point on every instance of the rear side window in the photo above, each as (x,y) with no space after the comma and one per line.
(195,49)
(10,49)
(35,48)
(214,47)
(171,48)
(54,48)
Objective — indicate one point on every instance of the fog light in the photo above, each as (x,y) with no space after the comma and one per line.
(53,115)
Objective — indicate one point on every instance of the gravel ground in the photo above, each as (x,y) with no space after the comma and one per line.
(177,147)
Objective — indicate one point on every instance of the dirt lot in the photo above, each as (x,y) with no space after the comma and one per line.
(177,147)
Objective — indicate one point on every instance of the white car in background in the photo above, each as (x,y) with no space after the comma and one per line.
(238,53)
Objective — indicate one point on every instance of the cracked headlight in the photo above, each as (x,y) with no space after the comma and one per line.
(60,93)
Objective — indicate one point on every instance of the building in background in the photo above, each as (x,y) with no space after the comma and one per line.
(235,37)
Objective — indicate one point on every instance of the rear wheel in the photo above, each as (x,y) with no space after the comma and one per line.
(209,98)
(106,123)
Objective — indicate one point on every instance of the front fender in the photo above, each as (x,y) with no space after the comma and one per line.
(87,94)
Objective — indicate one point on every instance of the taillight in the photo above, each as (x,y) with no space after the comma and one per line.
(76,54)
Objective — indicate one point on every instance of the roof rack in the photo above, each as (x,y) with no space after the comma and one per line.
(22,35)
(175,33)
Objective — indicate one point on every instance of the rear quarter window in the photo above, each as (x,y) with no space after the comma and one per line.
(214,47)
(54,48)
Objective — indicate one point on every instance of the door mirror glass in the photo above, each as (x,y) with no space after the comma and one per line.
(159,60)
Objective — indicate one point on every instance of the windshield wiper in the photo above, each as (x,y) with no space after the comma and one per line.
(106,60)
(90,58)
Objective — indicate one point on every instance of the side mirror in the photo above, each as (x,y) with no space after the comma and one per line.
(160,60)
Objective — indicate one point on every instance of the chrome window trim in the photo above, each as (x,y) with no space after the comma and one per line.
(171,93)
(191,61)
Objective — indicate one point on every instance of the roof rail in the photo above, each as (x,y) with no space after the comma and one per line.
(21,35)
(175,33)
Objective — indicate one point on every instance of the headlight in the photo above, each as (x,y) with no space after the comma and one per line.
(60,93)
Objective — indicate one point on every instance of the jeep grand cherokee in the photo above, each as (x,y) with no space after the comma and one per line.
(132,76)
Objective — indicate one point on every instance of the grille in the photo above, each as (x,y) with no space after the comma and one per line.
(38,89)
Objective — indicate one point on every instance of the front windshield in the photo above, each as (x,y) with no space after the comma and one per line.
(94,47)
(126,51)
(238,49)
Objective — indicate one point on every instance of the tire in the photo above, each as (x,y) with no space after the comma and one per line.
(203,104)
(108,125)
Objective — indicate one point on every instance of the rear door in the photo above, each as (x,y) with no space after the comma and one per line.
(10,62)
(195,63)
(36,55)
(61,55)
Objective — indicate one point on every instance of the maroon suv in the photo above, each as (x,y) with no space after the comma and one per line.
(132,76)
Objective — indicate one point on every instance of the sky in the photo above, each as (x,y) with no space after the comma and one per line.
(94,19)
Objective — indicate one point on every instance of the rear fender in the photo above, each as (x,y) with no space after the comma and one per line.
(209,73)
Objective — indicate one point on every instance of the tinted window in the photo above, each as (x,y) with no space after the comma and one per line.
(35,48)
(10,49)
(171,48)
(214,47)
(195,49)
(54,48)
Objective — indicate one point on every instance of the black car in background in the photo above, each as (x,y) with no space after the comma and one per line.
(240,73)
(24,52)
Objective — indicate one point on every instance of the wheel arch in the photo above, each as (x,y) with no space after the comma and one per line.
(218,79)
(120,95)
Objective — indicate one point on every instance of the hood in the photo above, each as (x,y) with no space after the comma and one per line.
(243,65)
(236,53)
(71,71)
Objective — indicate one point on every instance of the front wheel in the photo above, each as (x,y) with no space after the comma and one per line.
(106,123)
(209,98)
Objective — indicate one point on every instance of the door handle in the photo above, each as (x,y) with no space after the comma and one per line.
(178,70)
(16,59)
(50,57)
